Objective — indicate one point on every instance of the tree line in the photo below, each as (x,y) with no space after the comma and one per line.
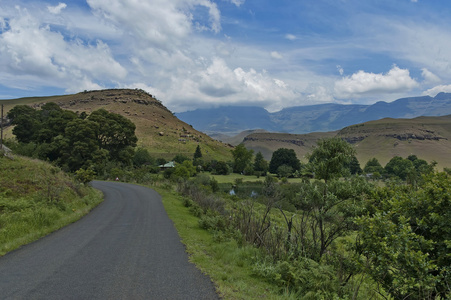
(73,141)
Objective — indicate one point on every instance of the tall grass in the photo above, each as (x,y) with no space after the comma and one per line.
(36,199)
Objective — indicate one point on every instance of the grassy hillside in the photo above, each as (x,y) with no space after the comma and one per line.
(427,137)
(157,128)
(36,199)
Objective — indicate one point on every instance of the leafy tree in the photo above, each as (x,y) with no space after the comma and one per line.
(328,211)
(330,157)
(284,171)
(79,145)
(161,161)
(329,205)
(407,239)
(184,170)
(260,164)
(284,156)
(220,168)
(26,121)
(241,158)
(74,142)
(142,157)
(115,132)
(399,167)
(373,166)
(180,158)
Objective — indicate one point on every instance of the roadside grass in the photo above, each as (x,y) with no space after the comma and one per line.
(228,265)
(37,199)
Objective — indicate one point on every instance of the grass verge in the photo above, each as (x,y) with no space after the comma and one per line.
(228,265)
(37,199)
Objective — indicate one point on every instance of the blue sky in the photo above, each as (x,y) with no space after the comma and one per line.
(206,53)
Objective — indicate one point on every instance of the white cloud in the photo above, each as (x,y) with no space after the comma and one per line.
(429,77)
(363,83)
(157,23)
(57,9)
(340,70)
(320,94)
(276,55)
(438,89)
(290,37)
(31,53)
(237,2)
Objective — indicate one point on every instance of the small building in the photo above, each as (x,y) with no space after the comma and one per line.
(168,165)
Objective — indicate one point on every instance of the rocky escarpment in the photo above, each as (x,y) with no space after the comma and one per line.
(274,140)
(353,135)
(124,96)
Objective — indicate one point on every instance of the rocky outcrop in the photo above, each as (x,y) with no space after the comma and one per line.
(269,140)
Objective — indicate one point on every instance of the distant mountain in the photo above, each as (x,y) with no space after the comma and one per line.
(231,120)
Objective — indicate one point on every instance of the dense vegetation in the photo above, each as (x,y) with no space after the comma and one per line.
(332,234)
(338,236)
(73,141)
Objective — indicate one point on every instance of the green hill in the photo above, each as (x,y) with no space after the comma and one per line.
(157,129)
(427,137)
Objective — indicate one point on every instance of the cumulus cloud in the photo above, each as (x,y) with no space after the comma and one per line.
(57,9)
(34,53)
(159,23)
(363,83)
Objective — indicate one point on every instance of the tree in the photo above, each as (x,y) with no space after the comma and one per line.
(284,156)
(115,133)
(220,168)
(284,171)
(260,164)
(180,158)
(197,153)
(399,167)
(329,205)
(330,157)
(26,121)
(74,142)
(241,158)
(407,239)
(142,157)
(354,166)
(373,166)
(328,210)
(184,170)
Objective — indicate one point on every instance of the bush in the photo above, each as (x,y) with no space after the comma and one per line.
(85,176)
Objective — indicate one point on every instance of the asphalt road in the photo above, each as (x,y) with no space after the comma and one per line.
(126,248)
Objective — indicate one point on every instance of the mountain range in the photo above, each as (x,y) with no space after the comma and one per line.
(231,120)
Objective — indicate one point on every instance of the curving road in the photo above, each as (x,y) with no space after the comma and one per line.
(126,248)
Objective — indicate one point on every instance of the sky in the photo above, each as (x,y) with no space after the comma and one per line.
(207,53)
